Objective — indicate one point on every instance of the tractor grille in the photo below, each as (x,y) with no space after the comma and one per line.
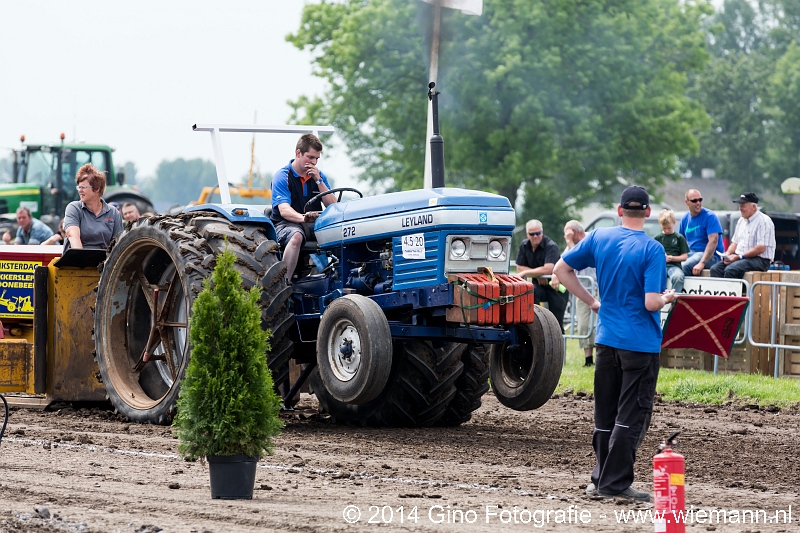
(410,273)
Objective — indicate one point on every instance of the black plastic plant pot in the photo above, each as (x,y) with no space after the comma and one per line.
(232,476)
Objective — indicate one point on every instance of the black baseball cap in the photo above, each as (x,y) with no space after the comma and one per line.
(747,197)
(635,197)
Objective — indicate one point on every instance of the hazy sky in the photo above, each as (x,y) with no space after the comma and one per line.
(137,75)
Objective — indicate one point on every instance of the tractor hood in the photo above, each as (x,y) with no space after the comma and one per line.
(401,202)
(423,209)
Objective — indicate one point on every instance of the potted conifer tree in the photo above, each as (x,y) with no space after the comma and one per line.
(227,408)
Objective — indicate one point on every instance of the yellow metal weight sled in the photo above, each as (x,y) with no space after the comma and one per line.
(47,348)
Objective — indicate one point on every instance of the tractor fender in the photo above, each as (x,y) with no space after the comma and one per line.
(240,214)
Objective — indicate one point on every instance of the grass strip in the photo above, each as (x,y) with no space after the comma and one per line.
(696,386)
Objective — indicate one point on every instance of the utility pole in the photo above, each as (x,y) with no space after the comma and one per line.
(468,7)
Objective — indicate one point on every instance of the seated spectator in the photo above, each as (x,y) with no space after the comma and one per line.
(703,232)
(676,248)
(130,213)
(536,257)
(30,230)
(753,245)
(59,236)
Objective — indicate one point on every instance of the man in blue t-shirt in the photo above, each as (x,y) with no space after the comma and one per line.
(631,278)
(29,230)
(292,187)
(703,233)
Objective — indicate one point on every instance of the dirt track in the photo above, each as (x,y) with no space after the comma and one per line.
(92,471)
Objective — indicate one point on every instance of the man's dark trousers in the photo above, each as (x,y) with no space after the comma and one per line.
(624,387)
(737,269)
(556,301)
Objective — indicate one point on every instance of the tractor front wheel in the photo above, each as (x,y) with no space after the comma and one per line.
(524,375)
(354,349)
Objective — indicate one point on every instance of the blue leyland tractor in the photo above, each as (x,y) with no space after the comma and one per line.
(401,312)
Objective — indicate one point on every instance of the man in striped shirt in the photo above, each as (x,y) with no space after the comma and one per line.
(753,243)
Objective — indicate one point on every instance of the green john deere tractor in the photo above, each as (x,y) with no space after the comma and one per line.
(44,181)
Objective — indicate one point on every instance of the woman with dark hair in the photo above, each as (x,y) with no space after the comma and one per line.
(90,222)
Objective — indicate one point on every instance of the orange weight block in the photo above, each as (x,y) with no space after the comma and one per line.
(486,301)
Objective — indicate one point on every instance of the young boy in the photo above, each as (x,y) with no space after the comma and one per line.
(676,248)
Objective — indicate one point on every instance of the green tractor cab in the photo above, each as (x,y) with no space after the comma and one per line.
(44,181)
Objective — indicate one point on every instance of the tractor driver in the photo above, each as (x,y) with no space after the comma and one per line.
(293,186)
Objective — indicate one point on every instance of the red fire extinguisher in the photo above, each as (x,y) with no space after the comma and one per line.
(668,484)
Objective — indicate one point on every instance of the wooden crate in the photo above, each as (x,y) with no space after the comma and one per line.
(787,323)
(790,326)
(746,358)
(683,358)
(761,359)
(738,362)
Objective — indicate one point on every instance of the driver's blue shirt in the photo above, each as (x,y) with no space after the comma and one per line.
(280,185)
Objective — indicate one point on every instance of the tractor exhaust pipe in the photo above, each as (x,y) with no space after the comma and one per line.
(437,143)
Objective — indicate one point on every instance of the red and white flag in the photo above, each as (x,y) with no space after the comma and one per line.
(468,7)
(707,323)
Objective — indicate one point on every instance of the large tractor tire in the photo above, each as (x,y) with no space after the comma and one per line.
(149,281)
(524,375)
(471,385)
(420,387)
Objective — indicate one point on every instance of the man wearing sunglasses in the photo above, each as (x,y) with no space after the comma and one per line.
(537,256)
(703,233)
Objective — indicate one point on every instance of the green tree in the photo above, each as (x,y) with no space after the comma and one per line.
(784,156)
(565,97)
(734,89)
(751,90)
(180,181)
(227,404)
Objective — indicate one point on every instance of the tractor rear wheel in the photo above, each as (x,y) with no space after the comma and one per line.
(524,375)
(471,385)
(149,281)
(420,387)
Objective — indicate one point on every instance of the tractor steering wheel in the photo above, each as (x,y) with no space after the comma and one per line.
(339,190)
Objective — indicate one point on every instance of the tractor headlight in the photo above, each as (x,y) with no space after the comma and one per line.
(495,250)
(458,249)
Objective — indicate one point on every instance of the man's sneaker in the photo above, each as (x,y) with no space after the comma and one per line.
(629,493)
(591,490)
